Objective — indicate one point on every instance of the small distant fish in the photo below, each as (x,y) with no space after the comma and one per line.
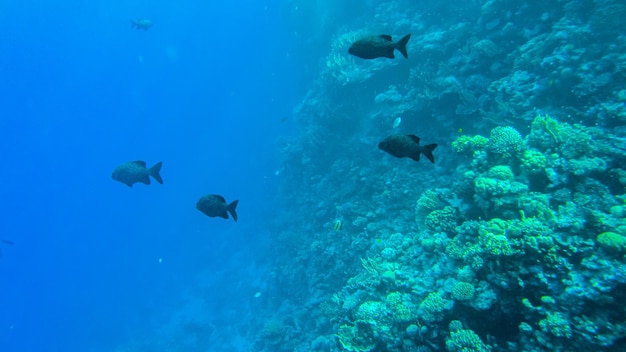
(397,122)
(337,225)
(407,146)
(379,46)
(213,205)
(7,242)
(141,23)
(136,171)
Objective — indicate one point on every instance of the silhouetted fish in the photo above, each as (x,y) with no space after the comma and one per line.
(407,146)
(379,46)
(215,205)
(141,23)
(136,171)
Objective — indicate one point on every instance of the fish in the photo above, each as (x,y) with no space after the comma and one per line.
(7,242)
(213,205)
(136,171)
(379,46)
(407,146)
(397,122)
(141,23)
(337,225)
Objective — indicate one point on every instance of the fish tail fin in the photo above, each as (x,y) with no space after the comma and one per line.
(232,207)
(133,24)
(402,45)
(154,172)
(428,152)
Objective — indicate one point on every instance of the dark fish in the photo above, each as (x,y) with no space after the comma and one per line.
(379,46)
(407,146)
(7,242)
(141,23)
(215,205)
(136,171)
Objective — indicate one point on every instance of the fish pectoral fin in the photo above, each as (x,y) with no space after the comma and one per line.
(386,37)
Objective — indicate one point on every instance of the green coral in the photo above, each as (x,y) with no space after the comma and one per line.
(613,242)
(501,172)
(463,291)
(492,193)
(468,145)
(572,141)
(433,307)
(357,337)
(465,341)
(403,310)
(442,220)
(533,162)
(374,312)
(505,141)
(548,124)
(496,244)
(557,324)
(577,142)
(427,202)
(585,166)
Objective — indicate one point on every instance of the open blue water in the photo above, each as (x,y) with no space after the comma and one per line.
(203,91)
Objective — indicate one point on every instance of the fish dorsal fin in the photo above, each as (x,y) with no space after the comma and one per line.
(140,163)
(221,199)
(414,138)
(386,37)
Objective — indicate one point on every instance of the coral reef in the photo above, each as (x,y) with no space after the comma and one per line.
(514,240)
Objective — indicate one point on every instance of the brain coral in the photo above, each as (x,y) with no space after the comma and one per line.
(442,220)
(463,291)
(505,141)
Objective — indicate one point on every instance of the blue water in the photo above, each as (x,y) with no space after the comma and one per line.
(95,263)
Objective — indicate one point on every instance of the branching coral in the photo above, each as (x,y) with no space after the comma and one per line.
(465,341)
